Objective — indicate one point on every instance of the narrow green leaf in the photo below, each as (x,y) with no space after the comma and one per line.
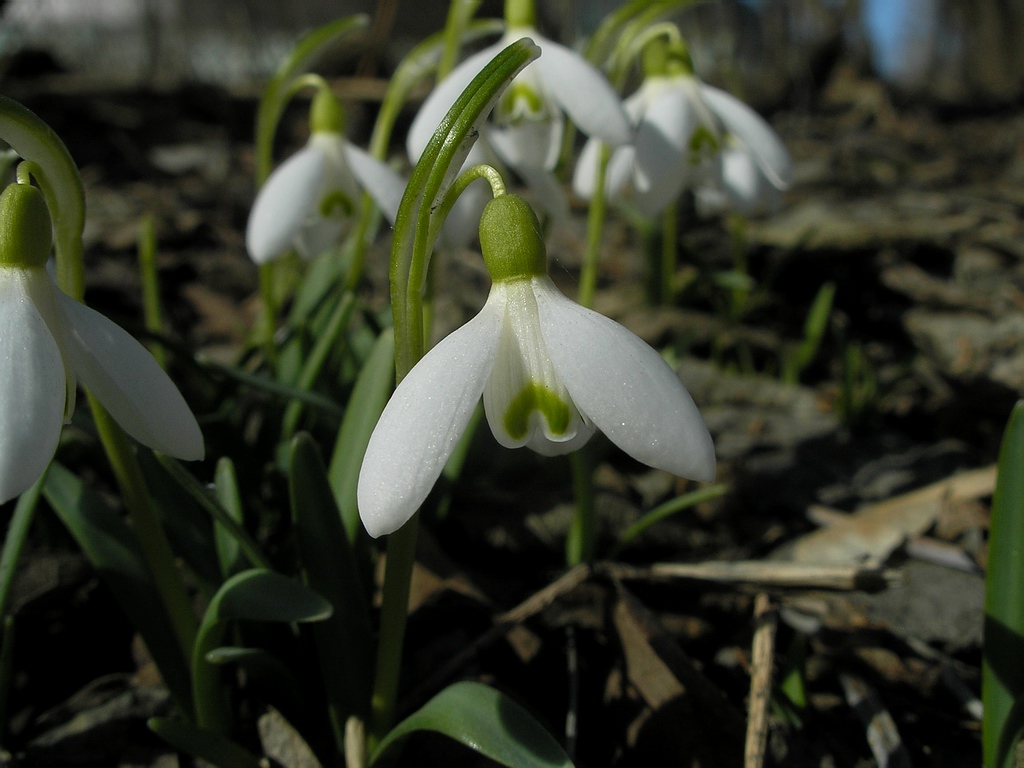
(214,749)
(1002,684)
(369,396)
(274,387)
(225,488)
(669,508)
(485,720)
(344,642)
(115,553)
(253,595)
(188,528)
(264,670)
(17,530)
(215,509)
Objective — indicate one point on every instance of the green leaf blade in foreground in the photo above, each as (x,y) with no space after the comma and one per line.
(210,747)
(488,722)
(1002,685)
(369,396)
(115,553)
(344,641)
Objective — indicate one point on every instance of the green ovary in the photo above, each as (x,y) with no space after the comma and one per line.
(535,397)
(336,204)
(702,140)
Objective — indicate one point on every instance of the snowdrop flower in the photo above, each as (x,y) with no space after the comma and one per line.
(743,187)
(550,372)
(49,341)
(528,121)
(308,202)
(688,136)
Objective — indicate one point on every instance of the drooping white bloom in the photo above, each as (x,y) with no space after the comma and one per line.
(49,342)
(550,373)
(528,122)
(308,202)
(689,135)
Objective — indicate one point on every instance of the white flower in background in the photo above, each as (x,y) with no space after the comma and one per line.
(550,372)
(743,187)
(49,341)
(690,136)
(309,201)
(528,122)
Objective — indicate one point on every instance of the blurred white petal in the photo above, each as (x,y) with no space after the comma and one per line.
(32,386)
(548,193)
(753,131)
(528,142)
(624,387)
(129,383)
(662,149)
(442,97)
(423,421)
(583,92)
(284,203)
(385,186)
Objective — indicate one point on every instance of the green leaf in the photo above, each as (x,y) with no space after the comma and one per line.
(278,90)
(814,331)
(214,749)
(229,551)
(487,721)
(253,595)
(114,552)
(369,396)
(188,527)
(264,670)
(344,641)
(434,172)
(1002,686)
(669,508)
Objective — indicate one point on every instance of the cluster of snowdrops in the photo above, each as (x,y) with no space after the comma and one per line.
(550,372)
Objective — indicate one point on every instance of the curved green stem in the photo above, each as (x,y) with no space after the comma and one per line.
(595,228)
(268,322)
(581,542)
(410,254)
(669,235)
(146,523)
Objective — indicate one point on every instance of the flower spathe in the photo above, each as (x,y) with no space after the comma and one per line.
(50,341)
(309,201)
(689,135)
(550,373)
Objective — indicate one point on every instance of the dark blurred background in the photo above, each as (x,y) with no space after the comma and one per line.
(960,53)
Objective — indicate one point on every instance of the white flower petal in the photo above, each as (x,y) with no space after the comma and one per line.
(284,203)
(423,421)
(547,191)
(753,131)
(442,97)
(662,149)
(583,92)
(618,173)
(385,186)
(32,387)
(624,387)
(528,143)
(129,383)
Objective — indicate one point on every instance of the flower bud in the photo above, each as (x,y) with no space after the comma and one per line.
(326,113)
(510,240)
(25,233)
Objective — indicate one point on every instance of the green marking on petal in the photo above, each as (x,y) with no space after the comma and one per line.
(535,397)
(336,205)
(702,141)
(521,101)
